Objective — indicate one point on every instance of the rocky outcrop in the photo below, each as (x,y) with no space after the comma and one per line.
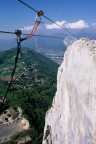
(12,123)
(72,117)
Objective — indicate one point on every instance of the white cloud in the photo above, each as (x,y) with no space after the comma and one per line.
(27,28)
(80,24)
(54,26)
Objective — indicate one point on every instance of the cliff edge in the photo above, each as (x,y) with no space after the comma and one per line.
(72,117)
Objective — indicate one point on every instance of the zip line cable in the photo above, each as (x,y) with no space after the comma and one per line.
(46,17)
(18,33)
(27,5)
(7,32)
(19,40)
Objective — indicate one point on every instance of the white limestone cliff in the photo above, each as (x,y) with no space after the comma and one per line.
(72,117)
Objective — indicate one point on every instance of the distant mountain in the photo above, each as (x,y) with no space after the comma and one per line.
(49,44)
(7,43)
(50,47)
(33,88)
(45,46)
(27,57)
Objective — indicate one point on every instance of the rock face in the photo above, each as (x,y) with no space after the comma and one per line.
(11,124)
(72,117)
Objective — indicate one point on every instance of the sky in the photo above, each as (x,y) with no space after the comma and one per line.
(70,14)
(13,14)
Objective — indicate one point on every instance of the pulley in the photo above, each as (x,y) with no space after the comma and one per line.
(40,13)
(18,33)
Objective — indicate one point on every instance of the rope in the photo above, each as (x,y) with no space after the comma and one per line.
(46,17)
(14,69)
(19,40)
(35,28)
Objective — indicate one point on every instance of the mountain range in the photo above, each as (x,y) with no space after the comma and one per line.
(50,46)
